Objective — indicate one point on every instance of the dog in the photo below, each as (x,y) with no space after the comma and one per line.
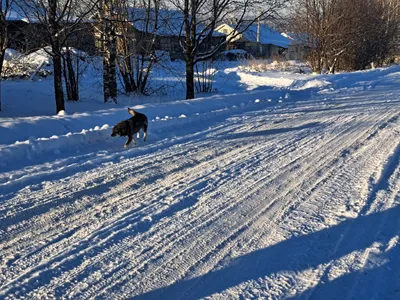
(131,126)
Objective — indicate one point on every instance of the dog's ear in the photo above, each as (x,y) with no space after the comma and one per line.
(131,111)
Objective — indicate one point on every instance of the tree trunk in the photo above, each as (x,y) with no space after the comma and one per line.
(56,55)
(189,20)
(110,55)
(106,71)
(3,40)
(58,89)
(71,76)
(189,78)
(127,74)
(113,69)
(110,74)
(3,45)
(146,76)
(2,53)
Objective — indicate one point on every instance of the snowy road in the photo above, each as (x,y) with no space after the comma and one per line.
(299,202)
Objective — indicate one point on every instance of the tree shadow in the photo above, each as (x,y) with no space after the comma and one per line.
(293,255)
(272,131)
(379,282)
(341,106)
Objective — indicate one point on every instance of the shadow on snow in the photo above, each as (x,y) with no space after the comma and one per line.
(301,253)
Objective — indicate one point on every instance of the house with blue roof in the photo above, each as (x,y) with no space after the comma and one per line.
(298,47)
(27,34)
(259,40)
(166,28)
(17,26)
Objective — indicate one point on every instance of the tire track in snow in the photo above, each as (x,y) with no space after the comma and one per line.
(234,159)
(90,182)
(350,178)
(240,151)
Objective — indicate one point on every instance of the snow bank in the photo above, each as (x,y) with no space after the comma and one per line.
(30,137)
(52,135)
(11,54)
(267,65)
(42,55)
(255,80)
(32,148)
(274,79)
(23,66)
(21,129)
(309,84)
(38,57)
(260,74)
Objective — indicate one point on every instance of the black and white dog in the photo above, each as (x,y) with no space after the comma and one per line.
(131,126)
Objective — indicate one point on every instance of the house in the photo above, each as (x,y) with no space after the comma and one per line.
(138,28)
(166,31)
(27,34)
(145,31)
(18,31)
(298,48)
(260,40)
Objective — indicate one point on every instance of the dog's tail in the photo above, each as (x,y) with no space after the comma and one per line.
(145,129)
(131,111)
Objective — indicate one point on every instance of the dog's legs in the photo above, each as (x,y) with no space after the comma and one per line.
(130,139)
(145,132)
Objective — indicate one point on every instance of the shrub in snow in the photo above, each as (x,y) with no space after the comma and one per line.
(205,72)
(234,54)
(279,66)
(73,64)
(18,65)
(18,68)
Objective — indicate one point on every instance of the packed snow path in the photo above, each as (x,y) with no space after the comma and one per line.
(300,202)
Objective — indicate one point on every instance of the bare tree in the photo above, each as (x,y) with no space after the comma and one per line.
(387,15)
(73,67)
(320,24)
(349,34)
(201,17)
(108,21)
(205,72)
(59,19)
(5,9)
(137,29)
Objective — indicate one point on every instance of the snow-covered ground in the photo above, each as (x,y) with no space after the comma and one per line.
(279,186)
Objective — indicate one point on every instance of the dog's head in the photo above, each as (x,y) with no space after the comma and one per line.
(131,112)
(121,129)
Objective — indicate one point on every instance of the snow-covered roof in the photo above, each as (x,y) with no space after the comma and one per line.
(13,15)
(169,23)
(16,11)
(267,35)
(30,13)
(296,38)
